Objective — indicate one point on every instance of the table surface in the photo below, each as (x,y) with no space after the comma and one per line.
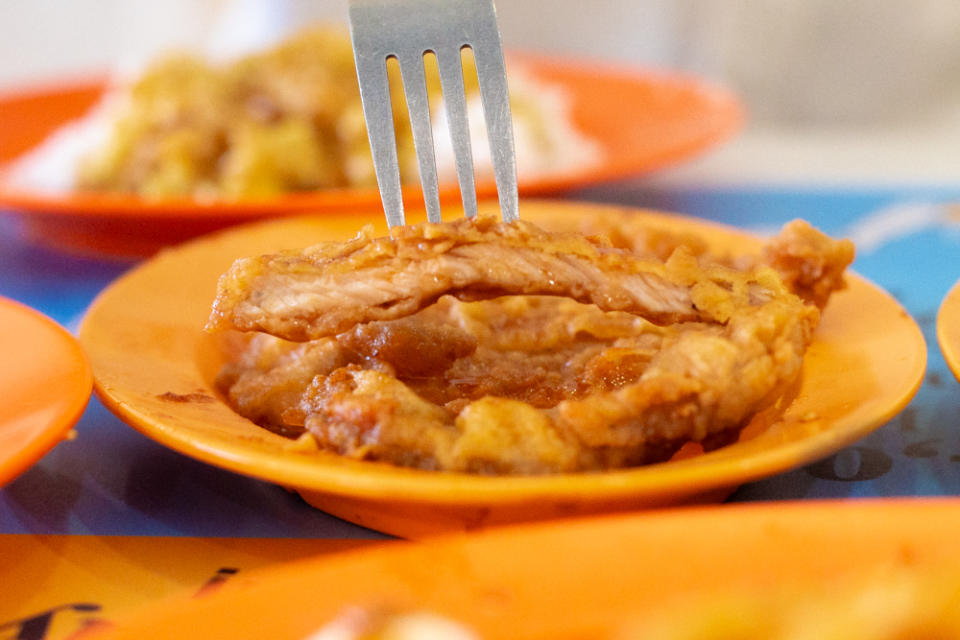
(111,480)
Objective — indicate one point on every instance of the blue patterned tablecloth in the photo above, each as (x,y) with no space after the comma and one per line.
(111,480)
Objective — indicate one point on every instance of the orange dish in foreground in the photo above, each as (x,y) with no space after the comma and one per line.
(863,570)
(487,347)
(887,604)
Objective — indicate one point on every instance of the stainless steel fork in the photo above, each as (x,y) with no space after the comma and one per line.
(407,30)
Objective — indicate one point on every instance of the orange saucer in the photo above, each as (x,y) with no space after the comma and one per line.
(155,368)
(45,381)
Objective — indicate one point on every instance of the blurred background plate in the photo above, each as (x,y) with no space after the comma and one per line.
(598,578)
(948,329)
(155,368)
(641,121)
(45,384)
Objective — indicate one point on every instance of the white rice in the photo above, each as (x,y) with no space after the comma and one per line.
(565,150)
(49,167)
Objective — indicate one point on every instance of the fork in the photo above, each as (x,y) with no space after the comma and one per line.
(408,30)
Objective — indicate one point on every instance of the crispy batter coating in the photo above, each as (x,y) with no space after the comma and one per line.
(810,263)
(521,384)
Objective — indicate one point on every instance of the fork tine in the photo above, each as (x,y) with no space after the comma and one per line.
(378,113)
(455,104)
(406,29)
(418,104)
(491,73)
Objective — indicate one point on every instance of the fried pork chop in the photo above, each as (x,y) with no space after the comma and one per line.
(435,348)
(331,287)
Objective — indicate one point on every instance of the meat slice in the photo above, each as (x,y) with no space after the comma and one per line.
(327,289)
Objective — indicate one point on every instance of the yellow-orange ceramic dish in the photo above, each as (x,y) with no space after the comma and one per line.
(640,120)
(154,367)
(45,383)
(948,329)
(588,578)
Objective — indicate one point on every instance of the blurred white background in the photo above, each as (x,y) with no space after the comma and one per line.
(837,90)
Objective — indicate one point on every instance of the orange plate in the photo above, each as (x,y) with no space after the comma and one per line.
(45,381)
(641,120)
(580,578)
(948,329)
(154,367)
